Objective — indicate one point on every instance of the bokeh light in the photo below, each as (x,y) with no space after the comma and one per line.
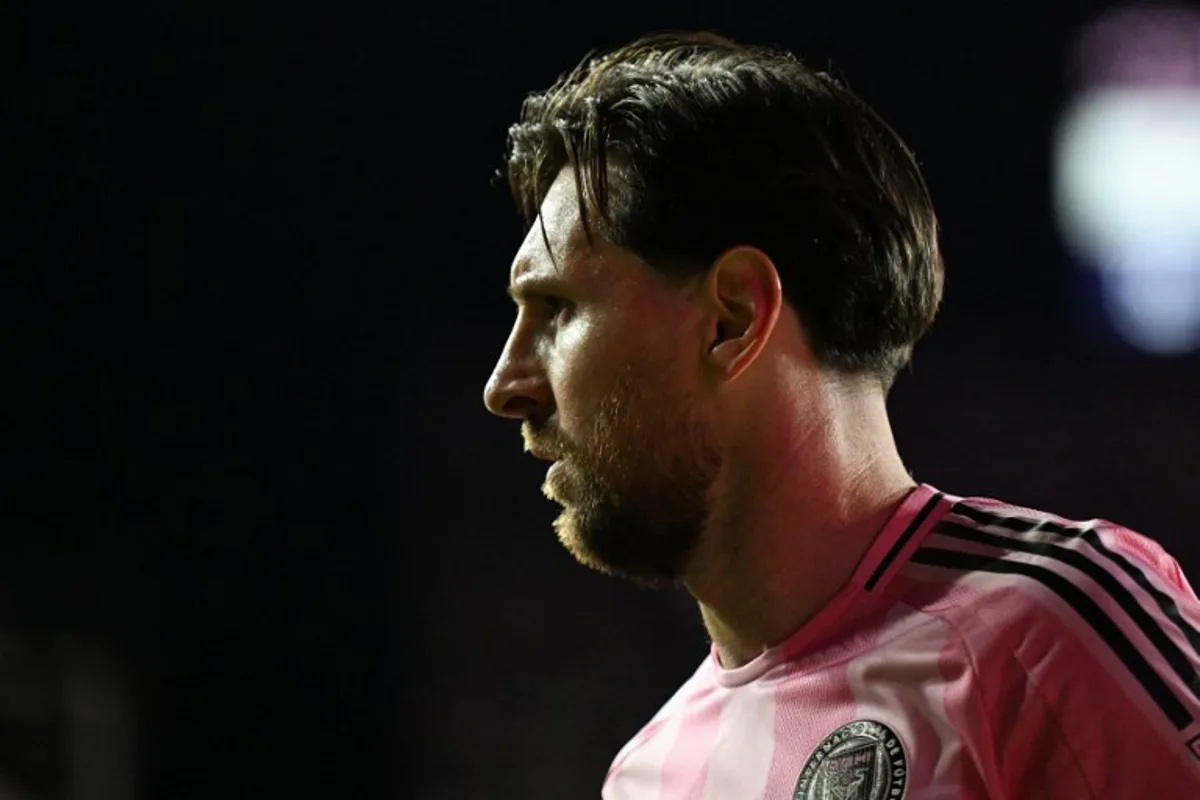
(1127,173)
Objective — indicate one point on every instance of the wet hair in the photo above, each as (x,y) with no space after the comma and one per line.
(685,145)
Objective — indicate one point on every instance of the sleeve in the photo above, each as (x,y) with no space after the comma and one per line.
(1086,679)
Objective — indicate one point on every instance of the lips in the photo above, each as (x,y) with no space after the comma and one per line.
(543,453)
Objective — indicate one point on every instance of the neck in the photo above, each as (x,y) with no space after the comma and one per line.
(796,519)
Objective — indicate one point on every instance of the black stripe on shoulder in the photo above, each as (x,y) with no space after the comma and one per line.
(1166,603)
(1103,578)
(1084,606)
(902,540)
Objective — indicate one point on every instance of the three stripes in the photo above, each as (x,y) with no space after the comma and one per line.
(1079,600)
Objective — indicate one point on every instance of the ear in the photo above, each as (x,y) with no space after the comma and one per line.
(744,296)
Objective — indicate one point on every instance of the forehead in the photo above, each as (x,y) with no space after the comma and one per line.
(556,246)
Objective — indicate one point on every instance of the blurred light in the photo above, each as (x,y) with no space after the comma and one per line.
(1127,173)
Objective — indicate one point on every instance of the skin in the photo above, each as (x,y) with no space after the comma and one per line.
(696,438)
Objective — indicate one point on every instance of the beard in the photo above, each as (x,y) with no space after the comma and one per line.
(637,495)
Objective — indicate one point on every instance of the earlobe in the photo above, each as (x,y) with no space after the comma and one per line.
(726,354)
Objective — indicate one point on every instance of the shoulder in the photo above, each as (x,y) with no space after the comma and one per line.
(1025,562)
(1050,540)
(1082,603)
(1082,637)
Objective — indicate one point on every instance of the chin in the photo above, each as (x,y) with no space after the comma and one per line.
(571,538)
(645,569)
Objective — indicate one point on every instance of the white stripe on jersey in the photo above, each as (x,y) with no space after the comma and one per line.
(747,733)
(654,743)
(886,685)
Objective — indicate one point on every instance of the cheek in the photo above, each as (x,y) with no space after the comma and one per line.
(579,370)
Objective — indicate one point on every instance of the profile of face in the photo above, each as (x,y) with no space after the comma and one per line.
(602,369)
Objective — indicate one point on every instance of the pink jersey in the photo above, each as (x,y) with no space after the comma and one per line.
(979,651)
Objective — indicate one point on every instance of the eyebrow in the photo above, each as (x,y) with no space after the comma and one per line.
(525,288)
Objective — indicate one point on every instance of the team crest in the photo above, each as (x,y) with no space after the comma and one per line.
(862,760)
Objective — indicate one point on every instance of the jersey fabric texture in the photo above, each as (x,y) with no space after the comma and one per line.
(980,650)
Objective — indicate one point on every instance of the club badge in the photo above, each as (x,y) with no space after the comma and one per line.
(862,760)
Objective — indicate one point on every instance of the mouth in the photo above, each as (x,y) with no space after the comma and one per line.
(554,485)
(541,454)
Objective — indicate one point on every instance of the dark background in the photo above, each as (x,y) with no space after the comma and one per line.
(261,538)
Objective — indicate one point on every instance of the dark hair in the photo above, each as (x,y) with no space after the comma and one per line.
(685,145)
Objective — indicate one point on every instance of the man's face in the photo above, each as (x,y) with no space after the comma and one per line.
(603,368)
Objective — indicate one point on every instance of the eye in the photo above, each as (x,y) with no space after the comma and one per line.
(554,306)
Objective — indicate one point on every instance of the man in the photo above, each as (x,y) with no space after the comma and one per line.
(729,259)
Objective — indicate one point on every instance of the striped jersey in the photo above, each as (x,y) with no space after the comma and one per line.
(980,650)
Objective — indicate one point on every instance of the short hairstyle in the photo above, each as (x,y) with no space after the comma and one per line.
(687,144)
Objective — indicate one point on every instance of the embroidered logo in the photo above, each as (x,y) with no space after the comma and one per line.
(862,760)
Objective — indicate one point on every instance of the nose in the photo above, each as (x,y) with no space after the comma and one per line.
(517,388)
